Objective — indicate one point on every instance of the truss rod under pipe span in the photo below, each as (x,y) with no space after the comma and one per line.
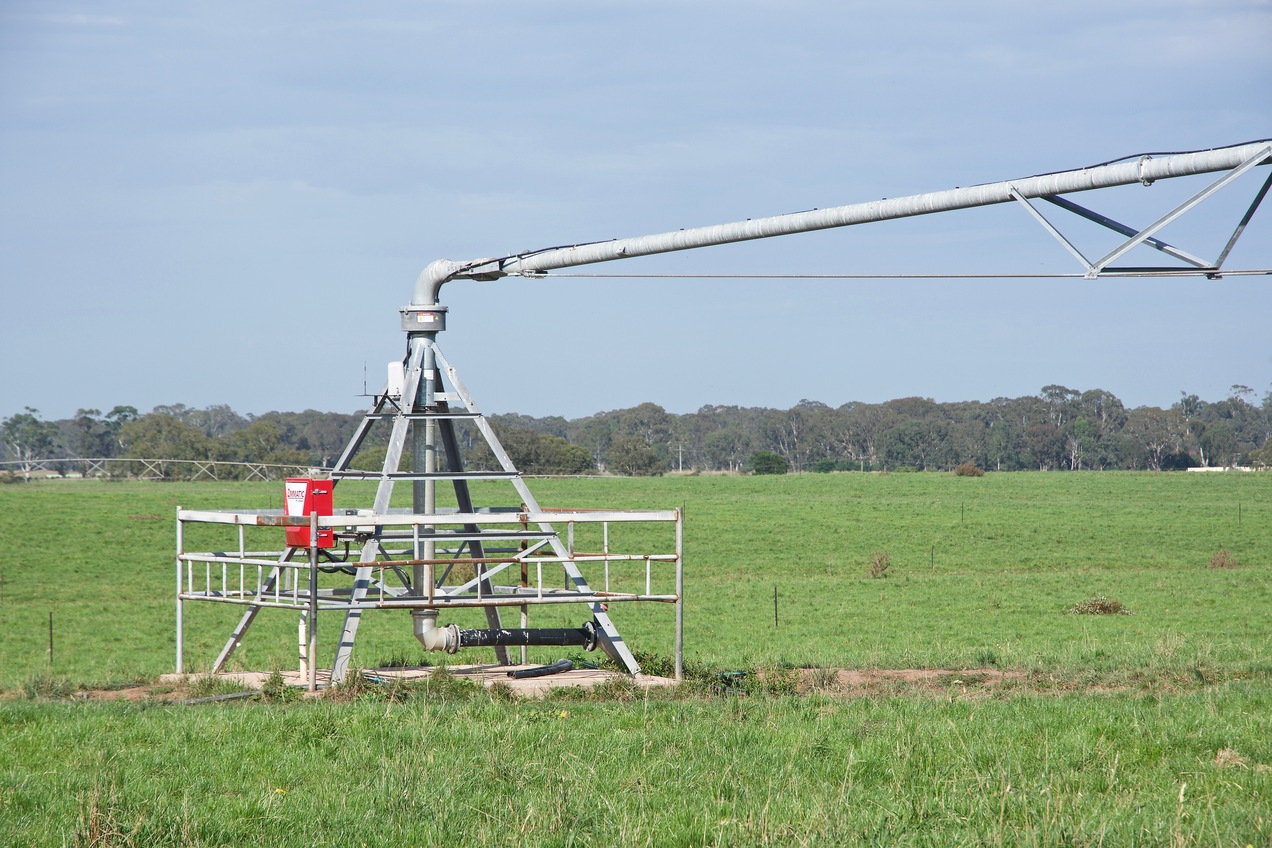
(1145,169)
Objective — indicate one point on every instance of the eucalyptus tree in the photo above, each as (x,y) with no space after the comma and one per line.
(631,455)
(1061,401)
(28,439)
(866,425)
(1155,433)
(1234,427)
(164,436)
(1004,446)
(595,433)
(1191,410)
(323,435)
(650,423)
(1106,416)
(727,449)
(1045,444)
(921,443)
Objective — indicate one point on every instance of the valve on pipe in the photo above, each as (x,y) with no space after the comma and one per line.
(451,638)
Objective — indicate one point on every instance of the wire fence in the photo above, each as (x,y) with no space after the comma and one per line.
(153,469)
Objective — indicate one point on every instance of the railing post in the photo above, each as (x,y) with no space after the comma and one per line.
(680,597)
(180,610)
(313,602)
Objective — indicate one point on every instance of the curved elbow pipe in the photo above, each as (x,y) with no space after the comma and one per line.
(432,637)
(428,285)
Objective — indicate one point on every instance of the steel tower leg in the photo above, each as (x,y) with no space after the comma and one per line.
(455,463)
(611,641)
(383,495)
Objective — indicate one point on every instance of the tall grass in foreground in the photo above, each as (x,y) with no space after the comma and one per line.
(982,572)
(1076,769)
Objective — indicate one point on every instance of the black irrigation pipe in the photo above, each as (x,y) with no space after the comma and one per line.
(542,670)
(233,696)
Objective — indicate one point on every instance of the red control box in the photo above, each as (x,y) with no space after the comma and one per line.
(301,497)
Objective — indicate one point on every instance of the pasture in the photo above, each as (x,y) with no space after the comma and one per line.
(1147,728)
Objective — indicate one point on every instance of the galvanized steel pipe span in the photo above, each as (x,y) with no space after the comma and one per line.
(1144,169)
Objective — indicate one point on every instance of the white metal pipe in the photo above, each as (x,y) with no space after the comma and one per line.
(432,637)
(1144,169)
(311,620)
(424,457)
(302,642)
(180,609)
(680,597)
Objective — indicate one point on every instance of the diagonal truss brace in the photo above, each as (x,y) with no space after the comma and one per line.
(1051,228)
(1146,236)
(611,642)
(1123,229)
(236,638)
(1245,219)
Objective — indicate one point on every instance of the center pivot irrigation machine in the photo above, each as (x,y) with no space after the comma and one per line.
(504,559)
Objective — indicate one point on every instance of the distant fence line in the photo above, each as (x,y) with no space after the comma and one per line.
(156,469)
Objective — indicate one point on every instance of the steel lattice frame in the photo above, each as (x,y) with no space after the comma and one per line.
(408,560)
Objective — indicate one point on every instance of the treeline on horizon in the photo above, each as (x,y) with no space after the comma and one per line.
(1057,429)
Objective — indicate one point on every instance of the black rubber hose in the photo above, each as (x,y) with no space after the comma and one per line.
(542,670)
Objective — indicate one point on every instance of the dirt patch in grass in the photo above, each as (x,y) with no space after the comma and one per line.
(174,688)
(1100,605)
(836,682)
(1223,558)
(137,692)
(842,682)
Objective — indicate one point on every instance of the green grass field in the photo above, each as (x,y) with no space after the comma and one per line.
(1152,728)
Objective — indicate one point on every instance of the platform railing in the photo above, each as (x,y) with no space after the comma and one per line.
(312,579)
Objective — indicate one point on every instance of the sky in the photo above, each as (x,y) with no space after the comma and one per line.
(227,203)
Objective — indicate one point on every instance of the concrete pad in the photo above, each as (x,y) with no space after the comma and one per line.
(484,675)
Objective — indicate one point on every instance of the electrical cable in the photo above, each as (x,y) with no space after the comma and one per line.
(1183,272)
(1139,156)
(1166,153)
